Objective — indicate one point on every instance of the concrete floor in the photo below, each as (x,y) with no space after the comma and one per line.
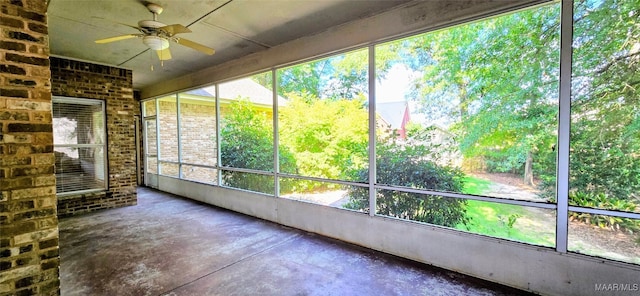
(167,245)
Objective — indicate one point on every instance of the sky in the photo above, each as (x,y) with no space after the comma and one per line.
(394,88)
(395,85)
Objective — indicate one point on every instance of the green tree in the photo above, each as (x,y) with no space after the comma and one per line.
(342,76)
(303,79)
(605,131)
(328,138)
(496,82)
(247,142)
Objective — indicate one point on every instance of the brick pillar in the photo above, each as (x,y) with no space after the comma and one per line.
(29,257)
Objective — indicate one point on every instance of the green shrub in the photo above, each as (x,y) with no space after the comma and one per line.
(328,138)
(400,165)
(603,201)
(612,170)
(247,142)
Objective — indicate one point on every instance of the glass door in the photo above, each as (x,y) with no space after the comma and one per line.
(151,152)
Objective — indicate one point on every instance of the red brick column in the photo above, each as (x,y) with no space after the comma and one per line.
(29,257)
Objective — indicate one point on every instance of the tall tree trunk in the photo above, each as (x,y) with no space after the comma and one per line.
(528,170)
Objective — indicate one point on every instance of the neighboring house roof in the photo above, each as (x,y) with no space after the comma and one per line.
(203,92)
(245,88)
(392,113)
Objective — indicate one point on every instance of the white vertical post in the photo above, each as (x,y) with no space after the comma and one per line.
(218,153)
(157,101)
(564,125)
(372,131)
(179,134)
(276,145)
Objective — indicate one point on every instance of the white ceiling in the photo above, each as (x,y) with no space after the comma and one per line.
(235,28)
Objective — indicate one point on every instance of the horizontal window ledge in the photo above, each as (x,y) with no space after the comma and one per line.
(82,194)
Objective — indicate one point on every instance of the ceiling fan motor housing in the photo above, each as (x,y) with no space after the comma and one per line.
(147,24)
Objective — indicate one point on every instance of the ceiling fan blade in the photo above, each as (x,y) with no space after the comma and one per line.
(197,46)
(116,38)
(175,29)
(164,54)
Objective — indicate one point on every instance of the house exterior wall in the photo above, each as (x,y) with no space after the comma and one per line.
(29,257)
(77,79)
(197,128)
(168,133)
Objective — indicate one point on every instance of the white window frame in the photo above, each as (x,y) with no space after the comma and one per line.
(85,101)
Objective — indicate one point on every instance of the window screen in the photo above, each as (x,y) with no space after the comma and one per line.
(79,145)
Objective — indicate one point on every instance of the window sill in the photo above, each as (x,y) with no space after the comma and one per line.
(82,194)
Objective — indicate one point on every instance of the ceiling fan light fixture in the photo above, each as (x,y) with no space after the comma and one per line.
(155,42)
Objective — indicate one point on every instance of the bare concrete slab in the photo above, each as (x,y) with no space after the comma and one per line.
(167,245)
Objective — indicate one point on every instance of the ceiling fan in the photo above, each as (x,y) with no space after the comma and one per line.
(157,35)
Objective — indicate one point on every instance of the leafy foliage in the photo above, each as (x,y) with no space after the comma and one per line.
(496,83)
(247,142)
(303,79)
(602,201)
(328,138)
(605,131)
(404,165)
(339,77)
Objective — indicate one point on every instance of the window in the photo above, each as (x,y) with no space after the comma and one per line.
(198,140)
(471,110)
(324,125)
(480,98)
(604,168)
(168,136)
(246,133)
(79,145)
(150,134)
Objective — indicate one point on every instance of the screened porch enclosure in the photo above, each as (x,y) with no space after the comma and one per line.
(494,131)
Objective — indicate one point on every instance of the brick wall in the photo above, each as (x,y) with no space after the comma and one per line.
(114,86)
(198,135)
(168,149)
(168,118)
(28,223)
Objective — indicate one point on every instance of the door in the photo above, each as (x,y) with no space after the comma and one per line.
(151,152)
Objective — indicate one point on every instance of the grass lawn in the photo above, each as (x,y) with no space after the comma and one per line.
(476,186)
(493,219)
